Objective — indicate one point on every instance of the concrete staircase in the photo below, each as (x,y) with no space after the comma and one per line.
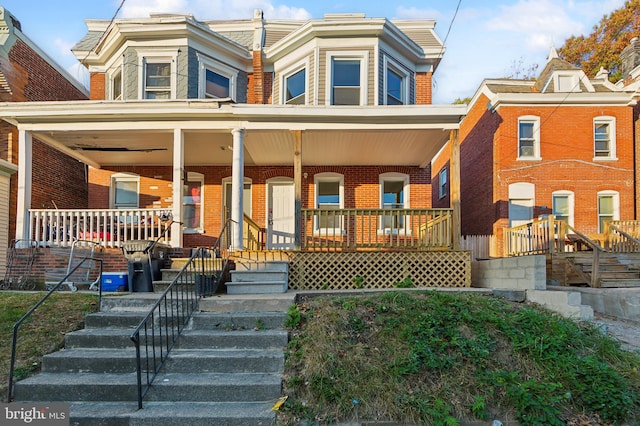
(226,368)
(616,269)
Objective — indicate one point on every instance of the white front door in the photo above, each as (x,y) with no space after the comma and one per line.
(281,215)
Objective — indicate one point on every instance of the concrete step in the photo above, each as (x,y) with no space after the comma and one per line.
(256,287)
(115,319)
(225,361)
(238,320)
(258,276)
(203,387)
(77,387)
(279,302)
(233,339)
(108,338)
(83,360)
(267,265)
(172,413)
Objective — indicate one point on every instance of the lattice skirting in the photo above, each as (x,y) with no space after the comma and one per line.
(355,270)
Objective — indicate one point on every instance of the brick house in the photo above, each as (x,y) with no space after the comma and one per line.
(561,144)
(27,74)
(282,125)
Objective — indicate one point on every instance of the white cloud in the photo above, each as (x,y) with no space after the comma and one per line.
(212,9)
(63,47)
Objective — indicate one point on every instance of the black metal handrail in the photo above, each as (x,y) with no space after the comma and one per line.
(16,326)
(158,332)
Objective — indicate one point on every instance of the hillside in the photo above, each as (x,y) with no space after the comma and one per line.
(439,358)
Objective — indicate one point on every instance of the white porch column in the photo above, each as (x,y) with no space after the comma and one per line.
(25,155)
(237,189)
(178,177)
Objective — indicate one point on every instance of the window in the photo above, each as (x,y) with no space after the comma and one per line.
(529,138)
(216,85)
(567,83)
(442,184)
(394,195)
(157,83)
(116,86)
(217,81)
(329,196)
(192,201)
(294,88)
(125,188)
(521,202)
(604,138)
(345,81)
(396,84)
(608,208)
(562,206)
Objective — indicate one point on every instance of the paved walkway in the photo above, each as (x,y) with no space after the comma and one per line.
(627,332)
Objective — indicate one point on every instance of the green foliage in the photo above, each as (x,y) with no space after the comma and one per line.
(294,317)
(602,48)
(406,283)
(421,357)
(358,281)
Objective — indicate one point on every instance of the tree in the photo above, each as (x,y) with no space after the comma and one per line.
(519,71)
(603,46)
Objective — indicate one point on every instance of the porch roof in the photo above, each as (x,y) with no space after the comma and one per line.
(103,133)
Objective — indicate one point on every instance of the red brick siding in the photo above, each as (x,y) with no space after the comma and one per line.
(361,189)
(488,158)
(31,78)
(98,86)
(424,88)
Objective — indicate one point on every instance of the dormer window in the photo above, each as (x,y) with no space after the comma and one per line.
(294,88)
(347,78)
(567,83)
(157,74)
(217,81)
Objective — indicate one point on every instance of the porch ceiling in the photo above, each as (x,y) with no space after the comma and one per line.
(354,136)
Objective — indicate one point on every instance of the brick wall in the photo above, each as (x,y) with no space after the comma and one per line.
(361,189)
(98,86)
(489,164)
(31,78)
(424,88)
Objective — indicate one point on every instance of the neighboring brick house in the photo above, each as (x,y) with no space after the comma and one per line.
(27,74)
(333,111)
(561,144)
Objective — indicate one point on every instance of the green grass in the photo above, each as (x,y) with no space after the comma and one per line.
(41,334)
(439,358)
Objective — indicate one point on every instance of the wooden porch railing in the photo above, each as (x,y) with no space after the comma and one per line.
(110,227)
(349,229)
(253,236)
(622,236)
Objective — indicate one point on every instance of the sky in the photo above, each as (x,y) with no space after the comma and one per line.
(484,39)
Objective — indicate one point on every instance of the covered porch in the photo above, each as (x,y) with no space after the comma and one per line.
(284,153)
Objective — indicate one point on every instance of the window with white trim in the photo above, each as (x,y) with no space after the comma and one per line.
(295,85)
(396,84)
(442,183)
(116,86)
(192,194)
(394,195)
(562,206)
(329,196)
(608,208)
(125,188)
(347,78)
(217,81)
(566,82)
(604,138)
(529,138)
(157,80)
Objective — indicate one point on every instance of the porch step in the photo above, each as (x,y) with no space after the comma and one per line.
(620,283)
(259,277)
